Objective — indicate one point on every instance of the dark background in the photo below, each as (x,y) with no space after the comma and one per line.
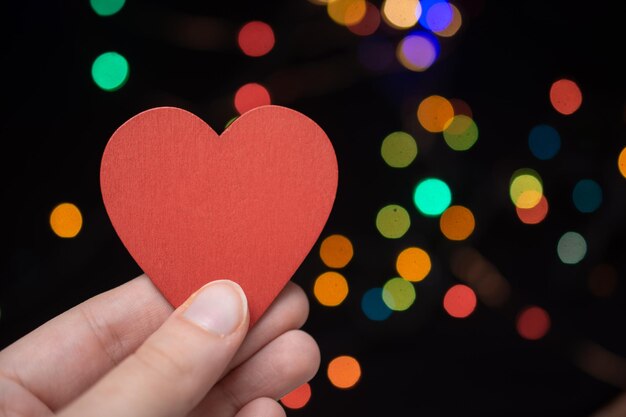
(423,362)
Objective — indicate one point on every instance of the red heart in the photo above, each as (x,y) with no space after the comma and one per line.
(192,206)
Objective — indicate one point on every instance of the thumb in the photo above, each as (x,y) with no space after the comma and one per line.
(178,364)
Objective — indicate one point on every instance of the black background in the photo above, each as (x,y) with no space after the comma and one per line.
(502,62)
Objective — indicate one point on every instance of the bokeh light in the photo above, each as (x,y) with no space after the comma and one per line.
(468,265)
(398,294)
(587,196)
(432,196)
(230,121)
(459,301)
(256,38)
(66,220)
(401,14)
(344,372)
(565,96)
(110,71)
(370,22)
(435,113)
(621,162)
(398,149)
(603,280)
(436,15)
(461,134)
(297,398)
(544,141)
(534,215)
(571,248)
(526,188)
(457,223)
(106,7)
(393,221)
(330,289)
(336,251)
(533,323)
(413,264)
(250,96)
(455,24)
(418,51)
(373,305)
(461,107)
(346,12)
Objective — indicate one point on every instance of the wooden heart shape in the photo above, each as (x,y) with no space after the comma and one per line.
(192,206)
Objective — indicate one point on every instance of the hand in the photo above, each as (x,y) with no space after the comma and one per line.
(125,353)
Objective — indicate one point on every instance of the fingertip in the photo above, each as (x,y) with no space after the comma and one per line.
(220,307)
(300,359)
(262,407)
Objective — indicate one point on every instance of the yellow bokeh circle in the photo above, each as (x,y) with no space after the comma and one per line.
(330,289)
(66,220)
(413,264)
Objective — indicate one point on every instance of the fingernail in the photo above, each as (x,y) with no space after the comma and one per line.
(219,307)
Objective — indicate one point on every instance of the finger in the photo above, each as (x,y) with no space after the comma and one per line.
(288,312)
(262,407)
(277,369)
(82,344)
(176,366)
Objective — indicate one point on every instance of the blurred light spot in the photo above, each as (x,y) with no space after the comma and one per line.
(436,15)
(370,22)
(401,14)
(344,372)
(336,251)
(621,162)
(454,26)
(603,280)
(544,142)
(376,55)
(256,38)
(399,149)
(587,196)
(533,323)
(605,366)
(330,289)
(468,265)
(457,223)
(106,7)
(373,305)
(460,107)
(417,52)
(526,188)
(393,221)
(230,122)
(534,215)
(346,12)
(250,96)
(398,294)
(435,113)
(565,96)
(66,220)
(459,301)
(571,248)
(432,196)
(110,71)
(413,264)
(461,134)
(297,398)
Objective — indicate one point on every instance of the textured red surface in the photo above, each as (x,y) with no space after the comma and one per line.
(192,206)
